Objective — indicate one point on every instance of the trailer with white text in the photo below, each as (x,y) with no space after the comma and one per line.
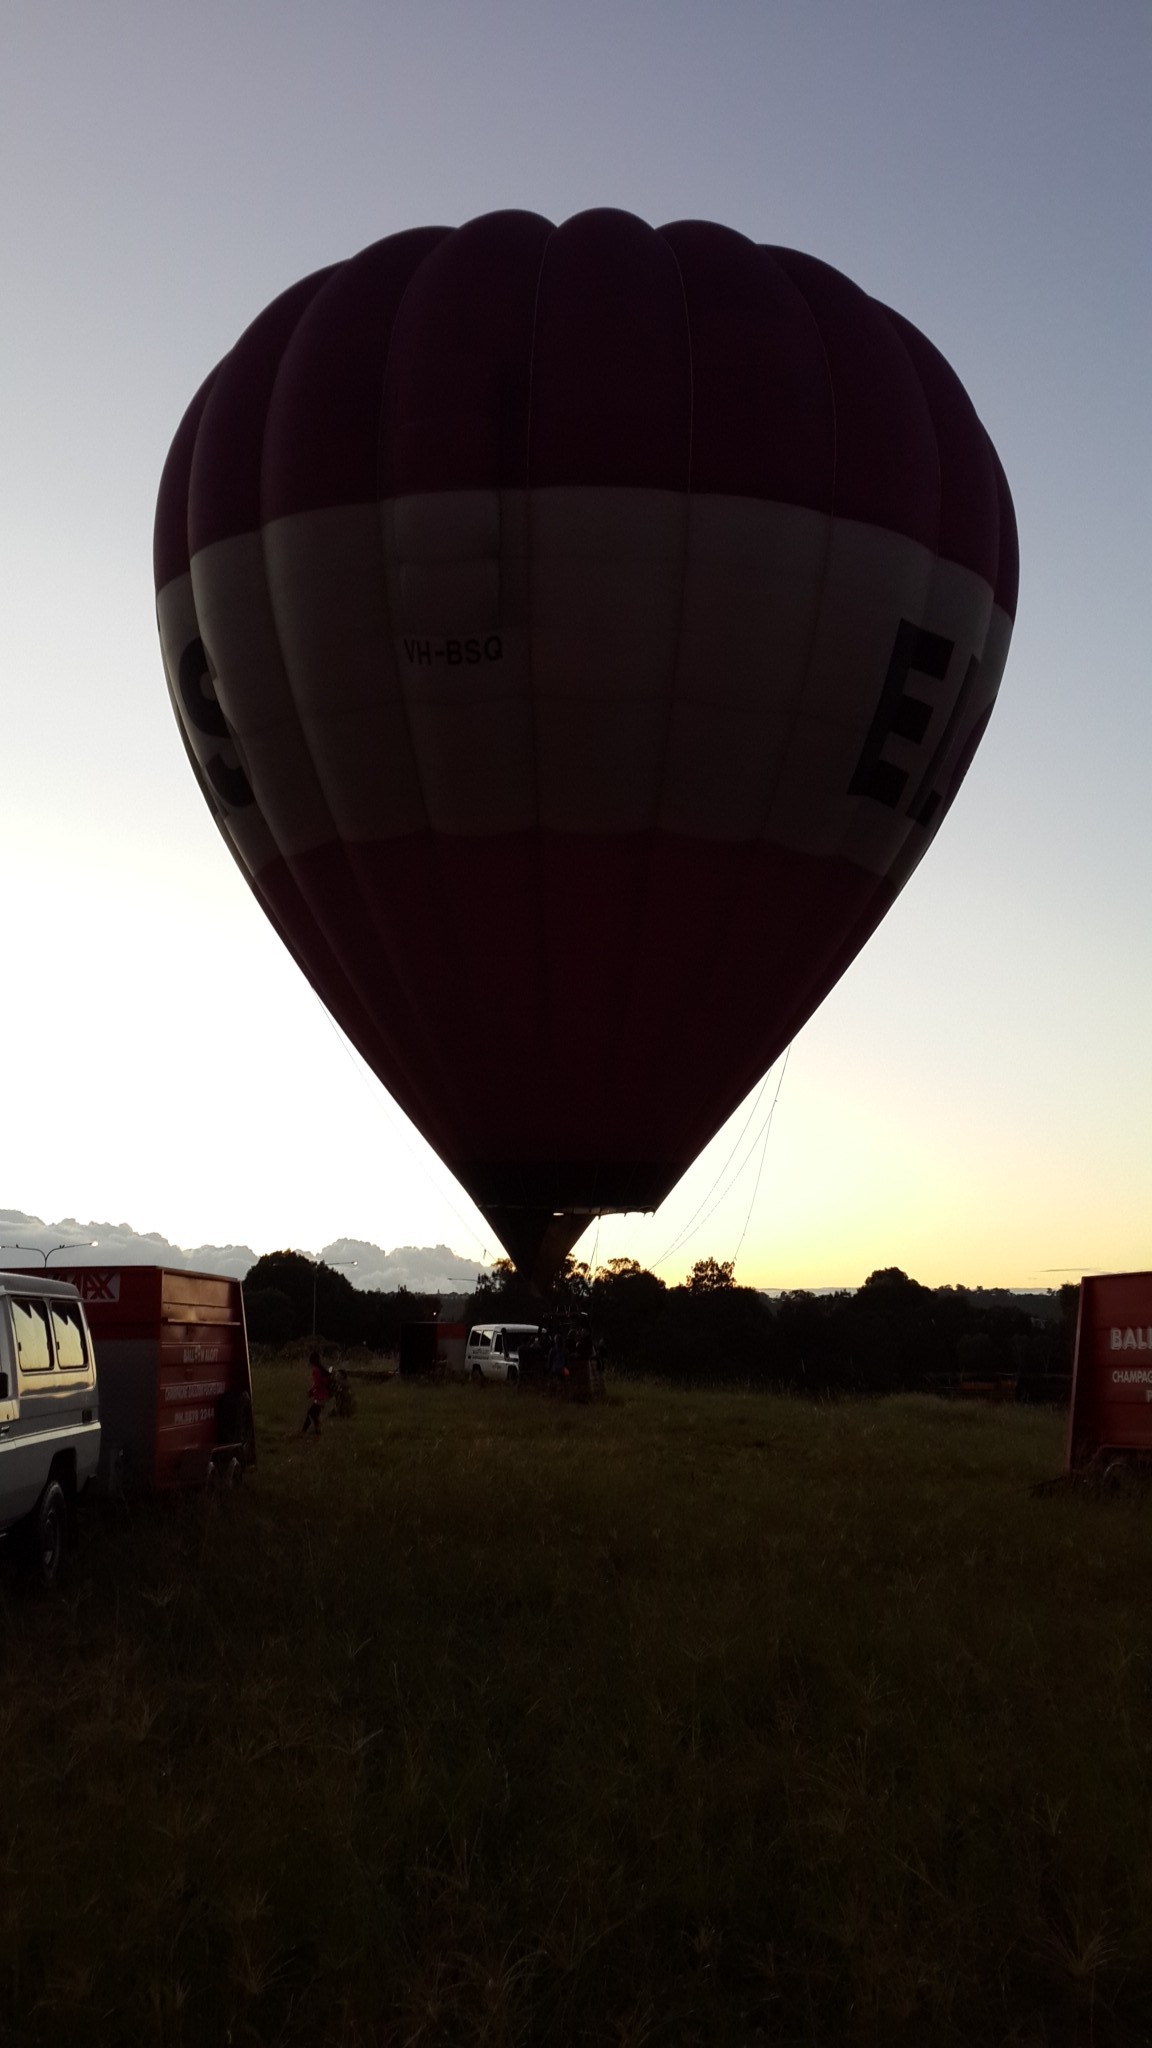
(1110,1420)
(174,1376)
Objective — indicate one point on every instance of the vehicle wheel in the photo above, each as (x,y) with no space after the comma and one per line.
(247,1434)
(477,1374)
(513,1375)
(46,1534)
(235,1425)
(1121,1479)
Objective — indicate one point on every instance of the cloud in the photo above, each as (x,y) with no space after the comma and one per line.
(426,1269)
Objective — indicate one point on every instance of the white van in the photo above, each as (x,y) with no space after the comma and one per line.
(49,1415)
(493,1350)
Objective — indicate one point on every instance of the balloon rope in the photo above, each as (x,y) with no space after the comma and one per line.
(708,1207)
(763,1155)
(678,1240)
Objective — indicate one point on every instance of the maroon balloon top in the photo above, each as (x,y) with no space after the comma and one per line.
(510,353)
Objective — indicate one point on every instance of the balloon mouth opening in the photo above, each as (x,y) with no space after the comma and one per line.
(538,1210)
(539,1241)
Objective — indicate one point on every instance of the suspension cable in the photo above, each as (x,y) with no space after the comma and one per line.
(763,1156)
(708,1206)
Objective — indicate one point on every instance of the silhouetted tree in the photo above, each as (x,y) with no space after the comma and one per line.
(625,1305)
(708,1276)
(270,1315)
(339,1315)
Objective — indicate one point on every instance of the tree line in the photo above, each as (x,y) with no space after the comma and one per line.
(889,1335)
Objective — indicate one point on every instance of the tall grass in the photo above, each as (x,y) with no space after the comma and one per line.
(717,1718)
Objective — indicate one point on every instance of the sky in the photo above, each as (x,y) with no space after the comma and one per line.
(972,1102)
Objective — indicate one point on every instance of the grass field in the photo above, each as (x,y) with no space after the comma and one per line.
(717,1718)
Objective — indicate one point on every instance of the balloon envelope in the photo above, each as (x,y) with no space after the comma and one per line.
(579,634)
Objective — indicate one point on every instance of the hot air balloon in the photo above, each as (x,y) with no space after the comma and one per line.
(579,634)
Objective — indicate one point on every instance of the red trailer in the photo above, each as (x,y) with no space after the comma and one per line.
(1110,1421)
(433,1347)
(174,1380)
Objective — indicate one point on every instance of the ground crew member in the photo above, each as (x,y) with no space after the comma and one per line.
(321,1389)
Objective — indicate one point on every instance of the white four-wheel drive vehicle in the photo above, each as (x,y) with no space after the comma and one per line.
(493,1349)
(49,1414)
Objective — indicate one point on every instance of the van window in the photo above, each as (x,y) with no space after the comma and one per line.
(68,1330)
(30,1322)
(485,1340)
(499,1343)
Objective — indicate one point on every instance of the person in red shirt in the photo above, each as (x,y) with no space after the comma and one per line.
(321,1389)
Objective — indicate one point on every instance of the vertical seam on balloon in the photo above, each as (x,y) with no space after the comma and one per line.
(216,808)
(901,864)
(1001,494)
(349,977)
(769,253)
(414,1093)
(541,947)
(743,872)
(202,781)
(677,648)
(995,461)
(434,837)
(380,502)
(258,535)
(655,827)
(1005,529)
(254,881)
(897,851)
(528,529)
(802,685)
(802,1008)
(274,615)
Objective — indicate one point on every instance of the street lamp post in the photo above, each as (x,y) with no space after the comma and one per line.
(316,1281)
(82,1244)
